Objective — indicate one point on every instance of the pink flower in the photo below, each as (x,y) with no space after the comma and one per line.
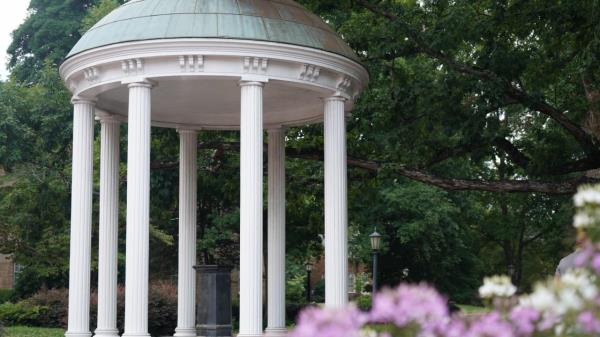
(549,321)
(490,325)
(583,256)
(588,322)
(454,328)
(410,304)
(316,322)
(524,320)
(596,263)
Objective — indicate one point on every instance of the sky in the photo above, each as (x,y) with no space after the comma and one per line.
(12,14)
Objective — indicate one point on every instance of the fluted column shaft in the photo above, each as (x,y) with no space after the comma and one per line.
(138,211)
(336,208)
(276,234)
(109,227)
(251,209)
(186,287)
(81,219)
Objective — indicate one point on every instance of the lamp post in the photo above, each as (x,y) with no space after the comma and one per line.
(308,267)
(375,246)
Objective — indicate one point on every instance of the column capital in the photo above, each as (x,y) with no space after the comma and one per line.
(187,131)
(251,83)
(140,83)
(105,117)
(82,100)
(277,129)
(335,98)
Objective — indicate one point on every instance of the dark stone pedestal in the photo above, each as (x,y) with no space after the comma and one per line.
(214,304)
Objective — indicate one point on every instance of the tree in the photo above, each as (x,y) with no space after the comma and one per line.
(475,79)
(47,35)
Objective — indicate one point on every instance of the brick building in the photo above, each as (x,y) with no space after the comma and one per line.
(7,272)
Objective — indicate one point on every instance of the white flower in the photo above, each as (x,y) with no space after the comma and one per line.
(558,297)
(568,300)
(542,299)
(582,220)
(587,195)
(497,286)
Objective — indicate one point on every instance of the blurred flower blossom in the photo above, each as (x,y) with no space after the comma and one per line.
(316,322)
(408,304)
(497,286)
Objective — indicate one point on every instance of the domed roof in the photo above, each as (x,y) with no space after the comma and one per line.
(282,21)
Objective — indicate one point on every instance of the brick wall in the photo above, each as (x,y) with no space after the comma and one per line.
(7,272)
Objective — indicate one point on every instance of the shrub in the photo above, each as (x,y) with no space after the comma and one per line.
(49,308)
(363,302)
(6,295)
(295,290)
(21,313)
(162,309)
(1,329)
(319,292)
(56,302)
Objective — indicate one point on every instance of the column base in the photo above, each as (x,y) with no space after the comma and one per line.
(276,332)
(136,334)
(185,332)
(78,334)
(106,333)
(250,335)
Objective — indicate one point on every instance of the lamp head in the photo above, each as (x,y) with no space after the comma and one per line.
(375,241)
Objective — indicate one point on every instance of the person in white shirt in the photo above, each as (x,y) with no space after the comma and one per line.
(568,262)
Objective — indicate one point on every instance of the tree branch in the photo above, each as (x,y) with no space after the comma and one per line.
(515,155)
(564,187)
(584,138)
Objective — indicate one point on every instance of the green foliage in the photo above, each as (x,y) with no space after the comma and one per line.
(49,308)
(47,35)
(295,290)
(319,292)
(363,302)
(162,309)
(96,13)
(6,295)
(56,304)
(361,280)
(21,313)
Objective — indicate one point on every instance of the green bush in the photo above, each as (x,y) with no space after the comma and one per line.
(162,309)
(319,292)
(363,302)
(21,313)
(6,295)
(49,308)
(295,290)
(1,329)
(56,302)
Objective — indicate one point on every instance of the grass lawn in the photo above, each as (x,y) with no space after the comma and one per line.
(23,331)
(471,309)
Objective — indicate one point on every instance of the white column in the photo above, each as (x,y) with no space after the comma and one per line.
(109,227)
(81,219)
(186,287)
(336,208)
(276,235)
(251,209)
(138,211)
